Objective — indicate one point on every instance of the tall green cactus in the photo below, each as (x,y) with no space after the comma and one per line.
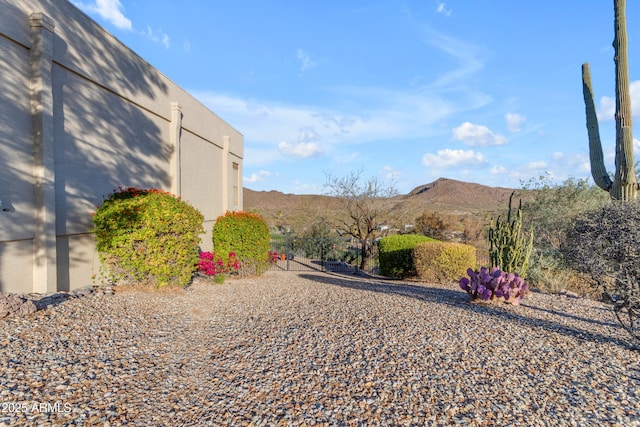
(624,185)
(509,247)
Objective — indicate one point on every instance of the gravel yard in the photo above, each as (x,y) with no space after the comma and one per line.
(312,348)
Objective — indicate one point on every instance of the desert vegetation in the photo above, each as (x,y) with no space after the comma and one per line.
(151,237)
(522,243)
(568,236)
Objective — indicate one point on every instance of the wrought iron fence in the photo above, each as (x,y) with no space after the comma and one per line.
(339,254)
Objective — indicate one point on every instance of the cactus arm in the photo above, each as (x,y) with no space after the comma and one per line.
(596,156)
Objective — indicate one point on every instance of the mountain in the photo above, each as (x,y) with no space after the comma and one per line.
(447,197)
(453,197)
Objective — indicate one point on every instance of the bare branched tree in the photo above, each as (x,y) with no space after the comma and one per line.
(605,244)
(363,211)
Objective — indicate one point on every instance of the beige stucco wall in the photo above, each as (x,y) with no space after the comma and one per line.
(81,115)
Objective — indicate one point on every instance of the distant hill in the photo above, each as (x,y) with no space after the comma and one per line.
(448,197)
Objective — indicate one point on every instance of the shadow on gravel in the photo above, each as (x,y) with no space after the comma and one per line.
(611,324)
(460,300)
(51,300)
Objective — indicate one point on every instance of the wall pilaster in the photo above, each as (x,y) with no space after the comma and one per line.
(44,242)
(226,141)
(175,128)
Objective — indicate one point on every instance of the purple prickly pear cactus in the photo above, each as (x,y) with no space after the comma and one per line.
(494,285)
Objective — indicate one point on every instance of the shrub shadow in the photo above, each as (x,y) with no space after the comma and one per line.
(51,300)
(460,300)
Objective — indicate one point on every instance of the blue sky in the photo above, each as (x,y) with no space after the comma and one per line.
(484,91)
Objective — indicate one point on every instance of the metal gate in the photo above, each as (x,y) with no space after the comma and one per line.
(290,253)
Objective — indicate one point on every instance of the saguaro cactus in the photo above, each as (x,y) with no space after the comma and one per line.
(624,185)
(509,247)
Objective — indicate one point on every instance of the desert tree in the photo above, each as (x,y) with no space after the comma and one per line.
(431,224)
(605,245)
(363,208)
(551,210)
(552,207)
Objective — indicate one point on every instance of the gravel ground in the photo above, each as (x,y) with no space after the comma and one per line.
(313,348)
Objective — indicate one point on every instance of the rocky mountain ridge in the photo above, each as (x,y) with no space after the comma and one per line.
(445,196)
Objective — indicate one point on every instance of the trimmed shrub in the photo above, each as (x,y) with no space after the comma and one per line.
(148,237)
(442,261)
(247,235)
(395,254)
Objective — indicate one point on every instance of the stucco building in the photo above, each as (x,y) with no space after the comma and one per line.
(80,115)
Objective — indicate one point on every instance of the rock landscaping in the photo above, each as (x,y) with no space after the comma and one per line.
(313,348)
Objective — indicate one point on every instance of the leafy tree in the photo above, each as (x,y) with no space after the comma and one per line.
(363,210)
(431,224)
(319,240)
(551,208)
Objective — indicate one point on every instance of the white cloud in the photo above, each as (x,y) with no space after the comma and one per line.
(607,108)
(113,12)
(344,159)
(110,10)
(515,122)
(156,36)
(378,115)
(442,8)
(448,158)
(499,170)
(536,165)
(259,176)
(308,134)
(470,58)
(305,60)
(477,135)
(303,150)
(557,155)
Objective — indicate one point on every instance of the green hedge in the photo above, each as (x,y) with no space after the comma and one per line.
(247,235)
(443,261)
(148,237)
(395,254)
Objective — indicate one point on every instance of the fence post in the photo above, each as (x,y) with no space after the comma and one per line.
(287,249)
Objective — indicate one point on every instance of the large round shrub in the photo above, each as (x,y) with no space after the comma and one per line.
(247,235)
(395,254)
(148,236)
(442,261)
